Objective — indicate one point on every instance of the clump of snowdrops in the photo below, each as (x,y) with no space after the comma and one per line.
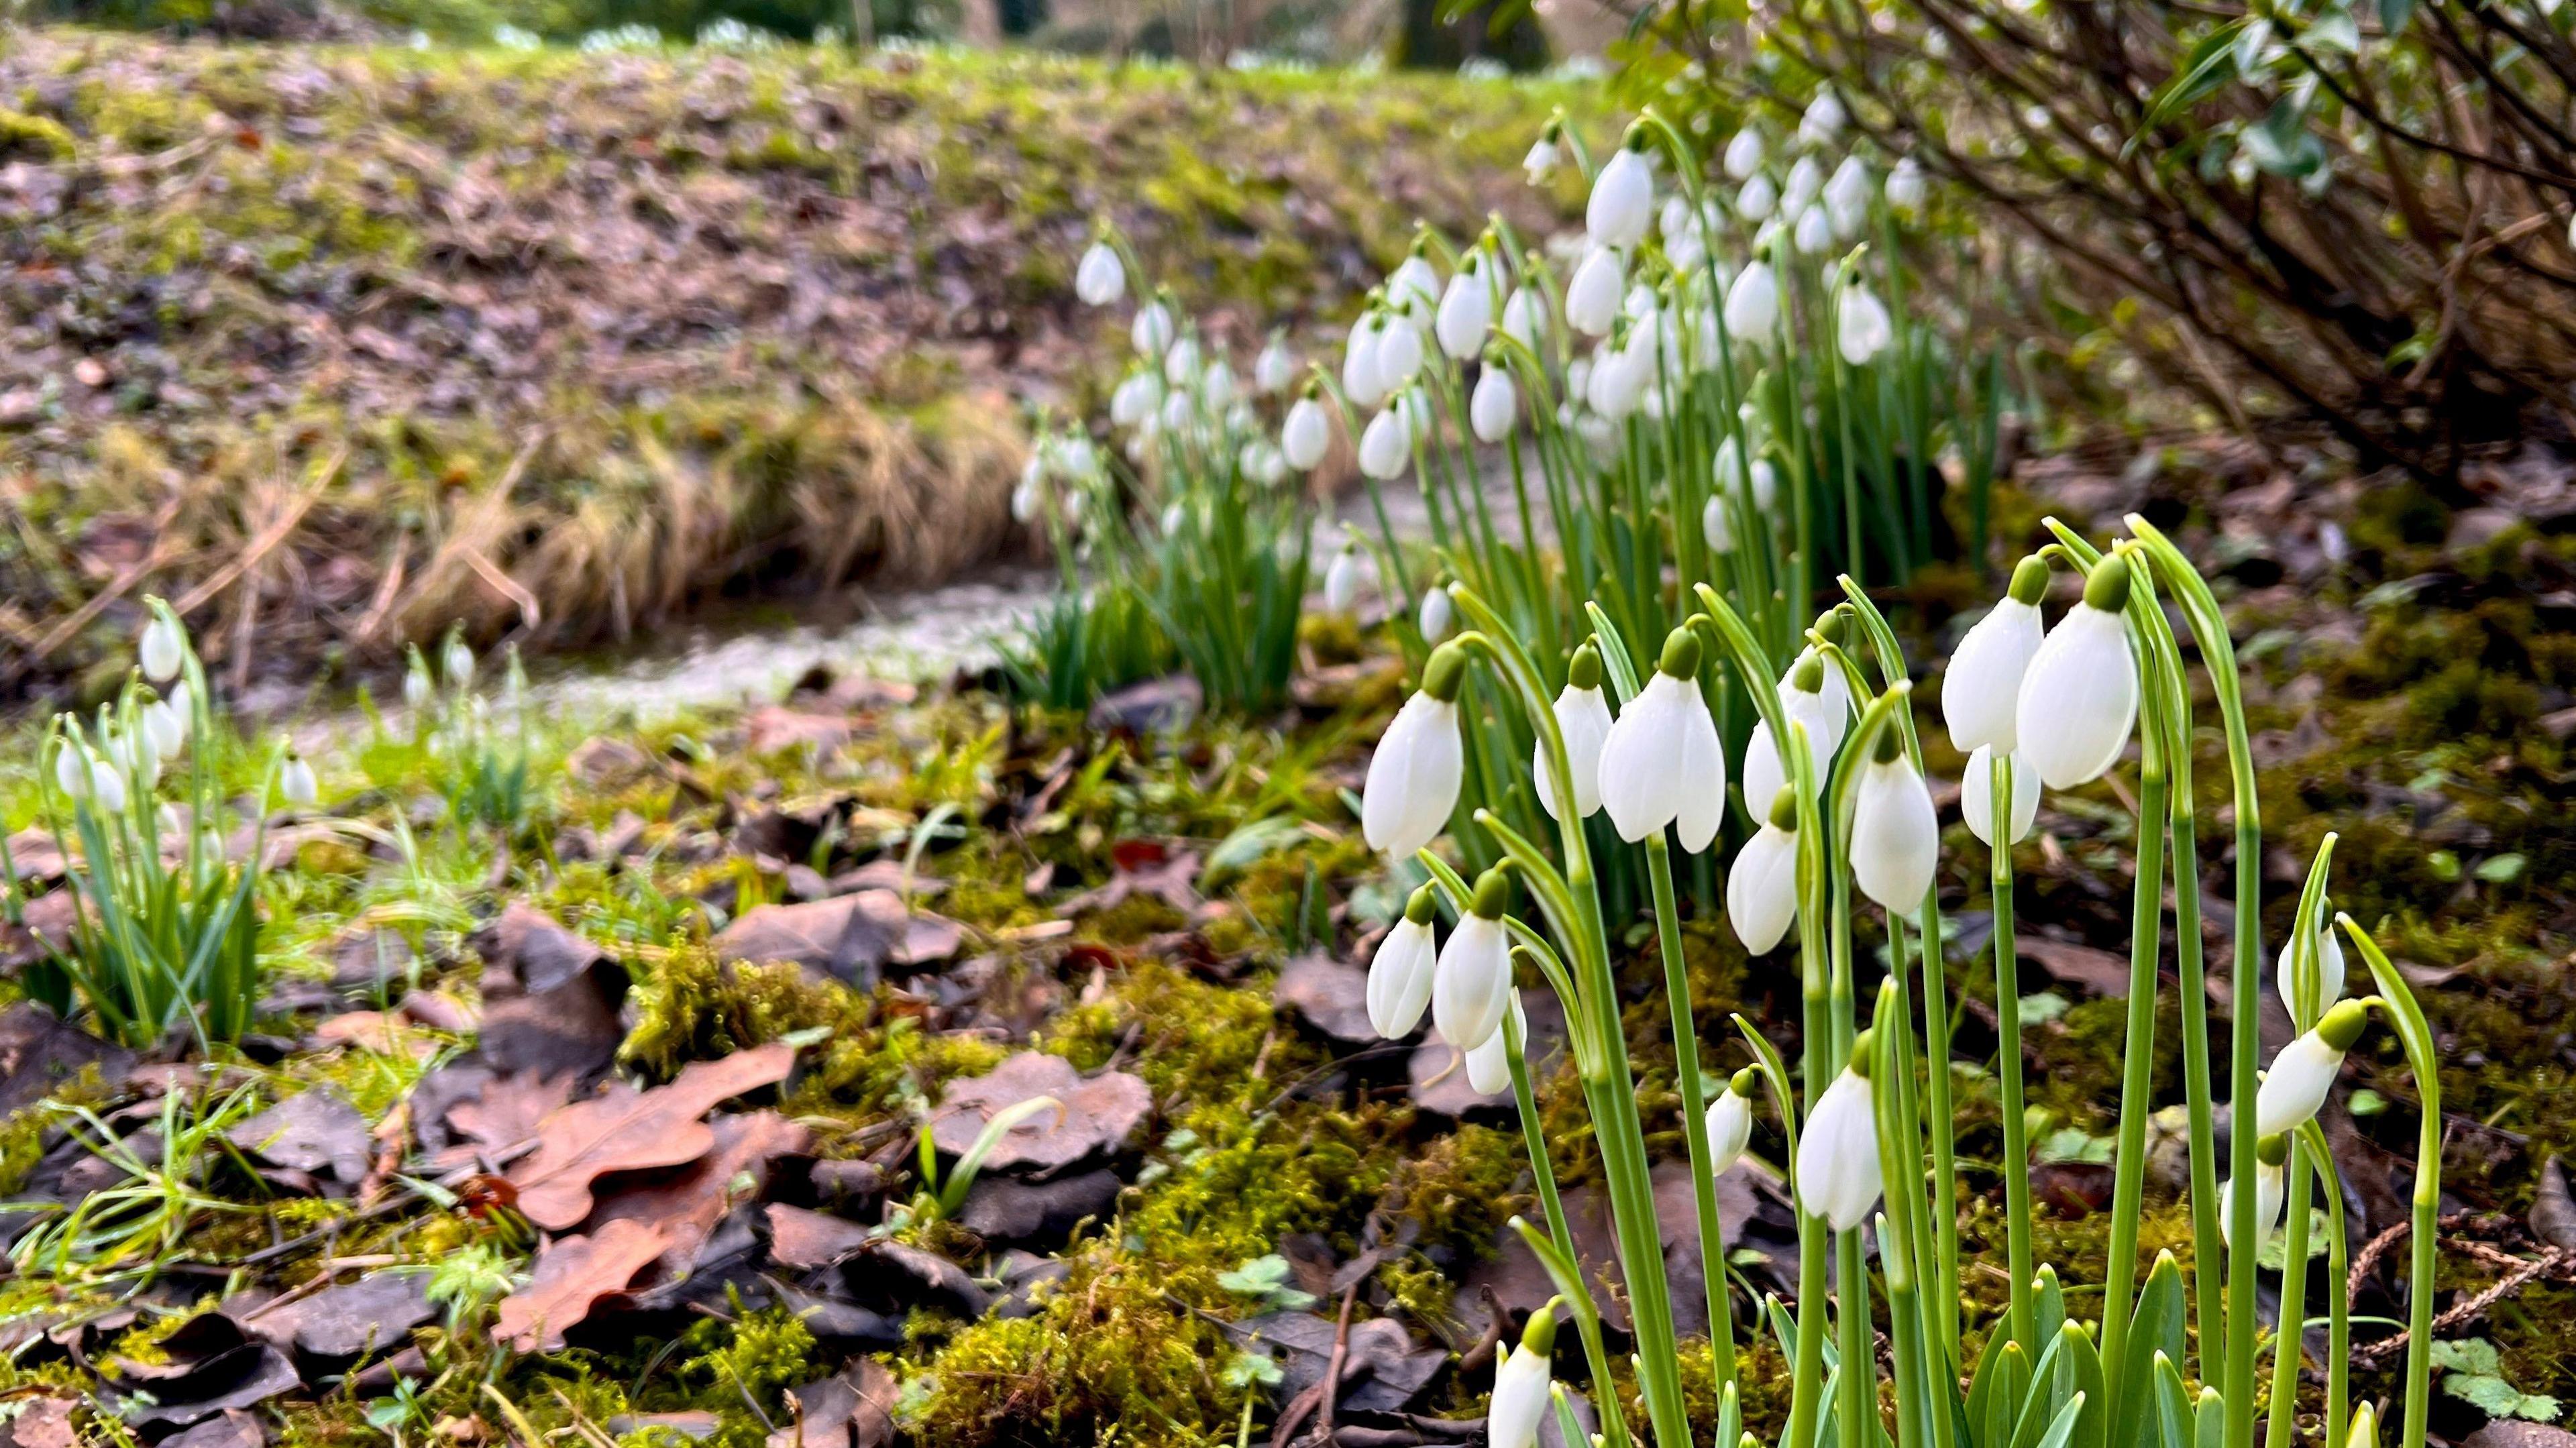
(162,934)
(1841,824)
(476,755)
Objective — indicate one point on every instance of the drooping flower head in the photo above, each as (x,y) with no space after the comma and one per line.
(2270,1183)
(1583,717)
(2305,1070)
(1307,434)
(1762,889)
(1399,975)
(1413,777)
(161,649)
(1471,986)
(1623,195)
(1838,1173)
(1100,278)
(2079,696)
(1895,837)
(1982,689)
(1521,1385)
(1663,762)
(1730,1121)
(1466,309)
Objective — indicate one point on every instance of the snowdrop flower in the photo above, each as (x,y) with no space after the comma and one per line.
(1435,615)
(1823,120)
(1489,1066)
(1173,517)
(1763,482)
(416,685)
(1730,1121)
(1896,839)
(1466,310)
(1025,496)
(2330,972)
(1493,409)
(1757,199)
(1805,179)
(296,782)
(1521,1393)
(1398,356)
(1592,298)
(1151,332)
(1100,279)
(1623,196)
(1847,197)
(1744,154)
(1977,795)
(161,650)
(2305,1070)
(1762,889)
(1399,975)
(1177,412)
(1618,380)
(458,663)
(1342,579)
(2079,697)
(106,785)
(1662,762)
(1414,287)
(1181,362)
(1982,690)
(1815,234)
(2270,1183)
(1583,717)
(1413,777)
(1753,303)
(1907,187)
(1541,159)
(1306,434)
(1815,695)
(1133,401)
(1386,444)
(1359,362)
(1861,325)
(1525,316)
(1275,370)
(1717,523)
(168,730)
(1472,985)
(1838,1170)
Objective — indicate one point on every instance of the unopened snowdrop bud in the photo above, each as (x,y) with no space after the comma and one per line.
(1814,235)
(1493,409)
(1583,717)
(1359,362)
(1847,197)
(1521,1396)
(1862,327)
(106,785)
(1275,370)
(160,649)
(1414,287)
(1101,278)
(1623,196)
(2330,971)
(1466,310)
(1592,297)
(2305,1070)
(1757,199)
(2270,1184)
(1753,303)
(295,781)
(1907,187)
(1730,1121)
(2364,1432)
(1540,162)
(1305,436)
(1762,889)
(1662,762)
(1896,838)
(1805,180)
(1744,154)
(1399,976)
(1617,385)
(1717,523)
(1823,120)
(1982,690)
(1133,401)
(1151,332)
(2079,697)
(167,728)
(1525,316)
(71,771)
(1435,615)
(458,664)
(416,685)
(1386,444)
(1177,412)
(1398,357)
(1472,985)
(1413,778)
(1342,579)
(1838,1170)
(1977,795)
(1489,1066)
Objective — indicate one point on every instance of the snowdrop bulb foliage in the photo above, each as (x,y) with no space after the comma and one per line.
(1744,154)
(1342,579)
(2305,1070)
(1493,409)
(1623,197)
(1435,615)
(1583,716)
(1815,233)
(1862,327)
(1762,889)
(1524,316)
(1305,436)
(296,782)
(1100,279)
(1472,985)
(2269,1184)
(2330,971)
(1521,1395)
(1977,795)
(1466,311)
(1151,332)
(1275,370)
(1757,199)
(1592,297)
(1896,839)
(1399,975)
(1398,357)
(160,649)
(1823,120)
(1730,1121)
(1838,1171)
(1489,1066)
(1663,762)
(1982,690)
(1753,303)
(2079,697)
(1413,777)
(1386,444)
(1907,187)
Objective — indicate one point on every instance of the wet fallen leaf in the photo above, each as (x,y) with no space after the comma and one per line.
(802,1238)
(854,1409)
(503,1115)
(39,1051)
(688,1204)
(317,1131)
(1092,1118)
(370,1315)
(624,1129)
(572,1275)
(849,937)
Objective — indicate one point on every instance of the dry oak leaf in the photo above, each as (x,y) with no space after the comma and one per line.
(572,1274)
(623,1129)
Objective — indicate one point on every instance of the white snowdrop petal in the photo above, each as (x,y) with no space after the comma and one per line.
(1896,839)
(1399,979)
(1520,1400)
(1730,1129)
(1838,1171)
(1622,202)
(1593,295)
(2079,699)
(1471,987)
(1977,795)
(1762,889)
(2296,1086)
(1982,689)
(1413,777)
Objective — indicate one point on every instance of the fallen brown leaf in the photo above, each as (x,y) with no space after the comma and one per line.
(573,1274)
(624,1129)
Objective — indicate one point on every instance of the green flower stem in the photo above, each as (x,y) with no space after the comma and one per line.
(2339,1299)
(1694,1092)
(2016,1123)
(2288,1336)
(2415,1033)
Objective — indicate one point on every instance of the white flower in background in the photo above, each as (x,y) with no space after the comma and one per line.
(1981,692)
(1151,332)
(1493,409)
(1623,197)
(1472,985)
(416,685)
(458,664)
(1663,762)
(1744,154)
(1847,197)
(1540,161)
(1399,975)
(1862,327)
(1717,523)
(1592,298)
(1101,278)
(1814,234)
(1489,1066)
(1435,614)
(2270,1186)
(1466,310)
(106,785)
(1398,356)
(1275,370)
(1600,436)
(1731,479)
(1823,120)
(1028,494)
(2330,971)
(1762,889)
(1753,304)
(1134,400)
(2079,697)
(1216,386)
(1174,515)
(1342,578)
(1730,1121)
(1261,461)
(1838,1170)
(1305,436)
(2305,1070)
(1521,1393)
(1757,199)
(1525,316)
(1413,777)
(1181,362)
(1686,249)
(71,771)
(1805,179)
(168,727)
(1907,187)
(1177,412)
(1360,380)
(296,782)
(1977,795)
(1583,717)
(1896,838)
(161,650)
(1812,693)
(1618,379)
